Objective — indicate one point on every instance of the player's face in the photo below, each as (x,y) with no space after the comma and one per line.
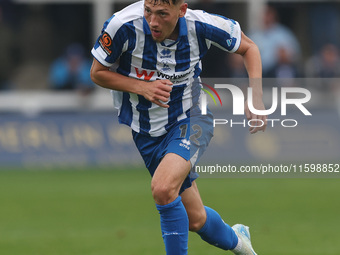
(162,18)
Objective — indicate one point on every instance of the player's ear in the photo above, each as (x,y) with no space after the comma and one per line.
(183,9)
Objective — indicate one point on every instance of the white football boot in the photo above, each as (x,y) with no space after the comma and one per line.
(244,246)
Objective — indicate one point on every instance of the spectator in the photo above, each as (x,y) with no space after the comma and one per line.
(72,71)
(325,64)
(285,66)
(273,38)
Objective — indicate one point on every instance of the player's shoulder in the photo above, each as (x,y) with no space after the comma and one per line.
(205,17)
(196,15)
(130,13)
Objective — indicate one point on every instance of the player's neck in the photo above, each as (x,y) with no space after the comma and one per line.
(174,34)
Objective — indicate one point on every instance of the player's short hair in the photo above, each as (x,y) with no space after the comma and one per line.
(174,2)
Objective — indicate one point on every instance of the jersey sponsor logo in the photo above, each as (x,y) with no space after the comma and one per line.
(173,76)
(147,76)
(105,42)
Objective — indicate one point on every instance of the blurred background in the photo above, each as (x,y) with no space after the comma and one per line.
(54,120)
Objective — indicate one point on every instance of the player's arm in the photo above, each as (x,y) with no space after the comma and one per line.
(252,61)
(156,91)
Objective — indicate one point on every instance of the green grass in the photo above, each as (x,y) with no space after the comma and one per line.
(102,212)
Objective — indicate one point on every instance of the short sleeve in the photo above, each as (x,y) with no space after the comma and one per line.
(110,44)
(222,32)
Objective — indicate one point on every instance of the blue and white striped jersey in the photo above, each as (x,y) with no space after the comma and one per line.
(127,42)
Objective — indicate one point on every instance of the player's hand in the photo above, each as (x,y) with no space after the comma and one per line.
(259,122)
(158,92)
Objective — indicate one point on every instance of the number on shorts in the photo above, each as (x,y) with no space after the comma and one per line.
(195,136)
(183,129)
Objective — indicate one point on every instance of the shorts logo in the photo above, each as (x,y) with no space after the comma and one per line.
(185,144)
(105,42)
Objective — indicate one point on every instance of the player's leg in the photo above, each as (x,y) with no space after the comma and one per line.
(194,206)
(207,222)
(165,185)
(212,229)
(168,178)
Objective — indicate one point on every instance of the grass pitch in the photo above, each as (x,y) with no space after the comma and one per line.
(100,212)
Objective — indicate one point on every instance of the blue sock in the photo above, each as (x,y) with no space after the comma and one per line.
(216,232)
(175,227)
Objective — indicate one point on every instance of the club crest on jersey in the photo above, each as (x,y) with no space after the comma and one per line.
(105,42)
(166,67)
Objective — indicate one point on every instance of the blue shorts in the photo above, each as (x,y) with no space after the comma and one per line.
(187,138)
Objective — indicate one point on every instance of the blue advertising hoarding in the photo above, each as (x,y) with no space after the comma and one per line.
(95,138)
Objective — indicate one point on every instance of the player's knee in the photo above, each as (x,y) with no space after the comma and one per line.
(163,194)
